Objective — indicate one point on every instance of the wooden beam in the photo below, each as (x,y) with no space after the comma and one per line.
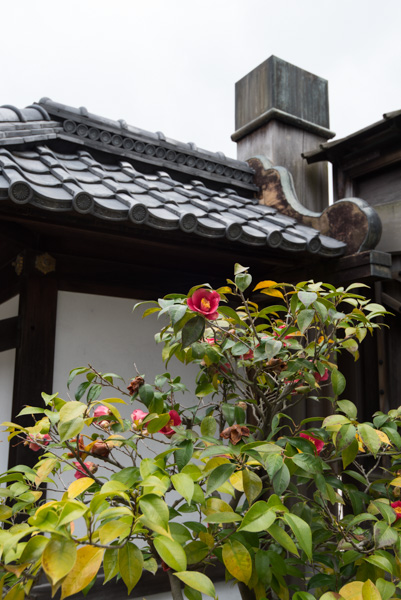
(9,282)
(35,352)
(8,333)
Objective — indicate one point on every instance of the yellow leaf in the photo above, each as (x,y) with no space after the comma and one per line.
(214,505)
(264,284)
(352,591)
(58,558)
(383,437)
(15,593)
(112,530)
(237,481)
(396,482)
(85,568)
(370,591)
(78,486)
(215,462)
(272,292)
(237,561)
(16,569)
(46,467)
(206,538)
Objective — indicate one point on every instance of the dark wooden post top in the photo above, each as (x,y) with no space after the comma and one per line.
(280,110)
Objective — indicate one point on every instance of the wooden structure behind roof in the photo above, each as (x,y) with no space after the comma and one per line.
(367,163)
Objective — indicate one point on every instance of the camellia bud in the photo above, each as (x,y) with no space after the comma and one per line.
(104,425)
(242,405)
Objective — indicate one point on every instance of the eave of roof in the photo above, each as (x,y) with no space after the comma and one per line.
(378,134)
(77,182)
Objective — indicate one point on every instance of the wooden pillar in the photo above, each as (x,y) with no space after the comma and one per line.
(35,351)
(282,111)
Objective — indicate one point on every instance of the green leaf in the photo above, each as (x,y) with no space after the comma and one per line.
(192,594)
(158,423)
(208,426)
(197,581)
(230,313)
(196,551)
(243,281)
(218,476)
(70,429)
(146,394)
(171,552)
(307,298)
(176,312)
(237,560)
(184,485)
(130,562)
(283,538)
(192,330)
(58,558)
(110,564)
(348,408)
(30,410)
(369,438)
(76,372)
(302,532)
(281,480)
(349,454)
(305,318)
(308,462)
(252,485)
(71,410)
(155,513)
(34,548)
(223,517)
(258,518)
(386,588)
(381,562)
(338,382)
(183,454)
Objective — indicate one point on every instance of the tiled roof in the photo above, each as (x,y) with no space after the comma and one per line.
(57,181)
(78,126)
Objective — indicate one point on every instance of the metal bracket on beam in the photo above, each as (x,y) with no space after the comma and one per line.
(45,263)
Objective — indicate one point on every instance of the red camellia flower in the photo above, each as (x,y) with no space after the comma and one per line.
(205,302)
(324,377)
(42,439)
(79,473)
(175,420)
(101,411)
(397,507)
(319,444)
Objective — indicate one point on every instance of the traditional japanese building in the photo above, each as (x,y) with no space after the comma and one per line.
(96,214)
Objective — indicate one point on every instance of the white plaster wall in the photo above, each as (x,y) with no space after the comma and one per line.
(104,332)
(7,362)
(224,591)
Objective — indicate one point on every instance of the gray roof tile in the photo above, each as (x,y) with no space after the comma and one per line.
(77,182)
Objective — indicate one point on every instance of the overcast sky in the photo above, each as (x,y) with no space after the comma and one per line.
(171,65)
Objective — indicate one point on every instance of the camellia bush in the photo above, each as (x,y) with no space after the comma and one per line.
(291,509)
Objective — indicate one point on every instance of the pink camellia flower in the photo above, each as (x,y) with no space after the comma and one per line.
(79,473)
(324,377)
(319,444)
(44,440)
(101,411)
(397,508)
(138,415)
(204,302)
(175,420)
